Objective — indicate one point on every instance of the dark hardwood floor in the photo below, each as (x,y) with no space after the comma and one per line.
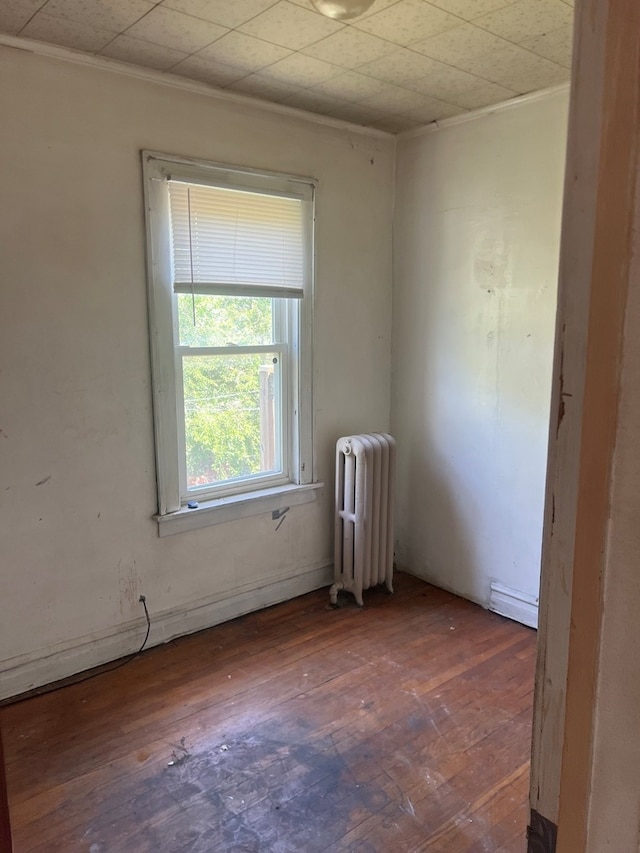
(404,726)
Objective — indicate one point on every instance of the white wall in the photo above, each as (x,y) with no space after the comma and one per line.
(78,549)
(476,236)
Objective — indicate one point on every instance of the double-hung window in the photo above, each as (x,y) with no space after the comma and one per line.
(230,261)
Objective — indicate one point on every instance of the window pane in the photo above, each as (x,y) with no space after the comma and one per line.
(220,321)
(231,410)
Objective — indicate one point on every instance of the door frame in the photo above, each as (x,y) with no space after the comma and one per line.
(600,211)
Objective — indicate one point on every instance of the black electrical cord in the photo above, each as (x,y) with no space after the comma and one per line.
(143,602)
(49,688)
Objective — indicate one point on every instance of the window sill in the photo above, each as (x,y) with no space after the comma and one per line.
(233,507)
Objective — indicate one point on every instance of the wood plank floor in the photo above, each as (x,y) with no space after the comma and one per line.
(404,726)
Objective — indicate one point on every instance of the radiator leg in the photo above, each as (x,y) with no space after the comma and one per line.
(359,600)
(389,585)
(333,592)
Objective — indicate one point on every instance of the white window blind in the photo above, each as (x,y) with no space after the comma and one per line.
(231,241)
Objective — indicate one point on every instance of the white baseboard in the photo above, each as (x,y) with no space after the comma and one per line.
(19,675)
(503,600)
(514,604)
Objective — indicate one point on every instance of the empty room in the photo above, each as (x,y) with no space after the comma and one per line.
(277,334)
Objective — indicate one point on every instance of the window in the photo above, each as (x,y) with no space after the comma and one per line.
(230,259)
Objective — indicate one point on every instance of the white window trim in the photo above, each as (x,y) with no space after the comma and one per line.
(240,500)
(276,500)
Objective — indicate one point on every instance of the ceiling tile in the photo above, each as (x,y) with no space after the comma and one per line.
(242,51)
(536,78)
(140,52)
(432,110)
(461,43)
(14,14)
(264,87)
(443,82)
(350,48)
(526,18)
(470,9)
(301,70)
(316,102)
(482,96)
(356,113)
(556,46)
(515,68)
(395,99)
(290,26)
(351,86)
(114,15)
(400,66)
(403,63)
(396,124)
(498,63)
(173,29)
(196,67)
(67,33)
(408,21)
(221,11)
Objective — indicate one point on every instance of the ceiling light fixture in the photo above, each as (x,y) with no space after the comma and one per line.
(342,10)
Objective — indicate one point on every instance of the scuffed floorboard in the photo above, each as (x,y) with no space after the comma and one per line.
(404,726)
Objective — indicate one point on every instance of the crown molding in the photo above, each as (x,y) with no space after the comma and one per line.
(151,75)
(472,115)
